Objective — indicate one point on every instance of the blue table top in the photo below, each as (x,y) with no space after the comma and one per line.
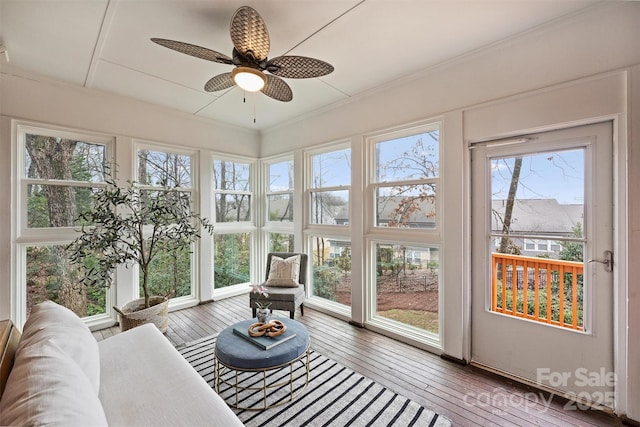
(236,352)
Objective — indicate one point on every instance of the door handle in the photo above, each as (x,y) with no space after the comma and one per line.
(607,261)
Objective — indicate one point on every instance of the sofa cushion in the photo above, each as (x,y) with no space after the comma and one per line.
(284,272)
(146,382)
(47,387)
(49,321)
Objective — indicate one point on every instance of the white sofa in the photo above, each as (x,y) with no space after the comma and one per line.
(62,376)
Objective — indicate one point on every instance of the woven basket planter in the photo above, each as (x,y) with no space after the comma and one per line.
(158,313)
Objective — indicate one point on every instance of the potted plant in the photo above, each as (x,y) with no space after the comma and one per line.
(262,311)
(129,225)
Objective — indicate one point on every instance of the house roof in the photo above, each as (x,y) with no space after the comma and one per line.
(542,216)
(104,45)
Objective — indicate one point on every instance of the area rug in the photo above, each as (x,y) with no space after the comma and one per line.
(335,396)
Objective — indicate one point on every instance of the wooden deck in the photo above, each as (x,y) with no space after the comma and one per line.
(466,395)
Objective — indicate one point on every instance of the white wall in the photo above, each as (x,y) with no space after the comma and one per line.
(585,67)
(39,99)
(30,98)
(633,244)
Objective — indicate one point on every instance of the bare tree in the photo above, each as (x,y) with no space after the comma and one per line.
(505,242)
(51,159)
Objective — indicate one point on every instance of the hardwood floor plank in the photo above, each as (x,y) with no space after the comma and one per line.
(468,396)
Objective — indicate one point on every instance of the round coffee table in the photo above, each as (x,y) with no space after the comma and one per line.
(246,368)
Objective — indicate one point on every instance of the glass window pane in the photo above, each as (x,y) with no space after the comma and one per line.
(233,207)
(280,207)
(49,157)
(330,207)
(281,176)
(407,290)
(231,176)
(539,194)
(164,169)
(406,206)
(411,157)
(331,169)
(231,264)
(51,276)
(332,269)
(170,273)
(280,242)
(523,202)
(56,206)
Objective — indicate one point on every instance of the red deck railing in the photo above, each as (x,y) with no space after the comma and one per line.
(540,289)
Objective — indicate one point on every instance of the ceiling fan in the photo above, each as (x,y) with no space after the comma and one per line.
(251,47)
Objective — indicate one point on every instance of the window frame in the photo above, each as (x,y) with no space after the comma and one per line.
(194,192)
(25,237)
(250,227)
(420,237)
(268,227)
(326,231)
(373,184)
(309,189)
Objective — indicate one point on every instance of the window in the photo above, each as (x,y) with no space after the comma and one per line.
(328,228)
(279,205)
(330,183)
(403,230)
(332,269)
(231,259)
(405,180)
(171,273)
(280,192)
(232,191)
(407,289)
(234,228)
(58,173)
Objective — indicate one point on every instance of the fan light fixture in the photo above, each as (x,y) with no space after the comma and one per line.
(250,58)
(248,78)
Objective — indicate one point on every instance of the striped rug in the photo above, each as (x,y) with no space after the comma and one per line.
(335,396)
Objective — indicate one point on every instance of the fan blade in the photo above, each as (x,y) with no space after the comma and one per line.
(193,50)
(219,82)
(298,67)
(249,33)
(277,89)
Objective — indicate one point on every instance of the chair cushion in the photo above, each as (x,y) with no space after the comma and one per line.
(284,272)
(282,293)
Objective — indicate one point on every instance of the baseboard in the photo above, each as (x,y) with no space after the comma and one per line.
(629,422)
(450,358)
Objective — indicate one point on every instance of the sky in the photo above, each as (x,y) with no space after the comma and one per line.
(558,175)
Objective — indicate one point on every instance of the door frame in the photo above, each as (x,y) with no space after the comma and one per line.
(620,240)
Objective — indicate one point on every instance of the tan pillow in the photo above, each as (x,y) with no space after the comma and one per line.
(284,273)
(47,387)
(49,321)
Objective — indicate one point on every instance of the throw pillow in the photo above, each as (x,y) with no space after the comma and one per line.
(49,321)
(46,387)
(284,272)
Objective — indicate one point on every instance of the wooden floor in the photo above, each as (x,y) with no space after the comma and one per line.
(467,396)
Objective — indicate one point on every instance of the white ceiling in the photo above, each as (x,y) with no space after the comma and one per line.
(104,45)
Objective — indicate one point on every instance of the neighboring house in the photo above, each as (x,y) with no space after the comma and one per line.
(537,216)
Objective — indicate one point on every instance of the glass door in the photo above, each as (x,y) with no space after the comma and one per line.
(542,261)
